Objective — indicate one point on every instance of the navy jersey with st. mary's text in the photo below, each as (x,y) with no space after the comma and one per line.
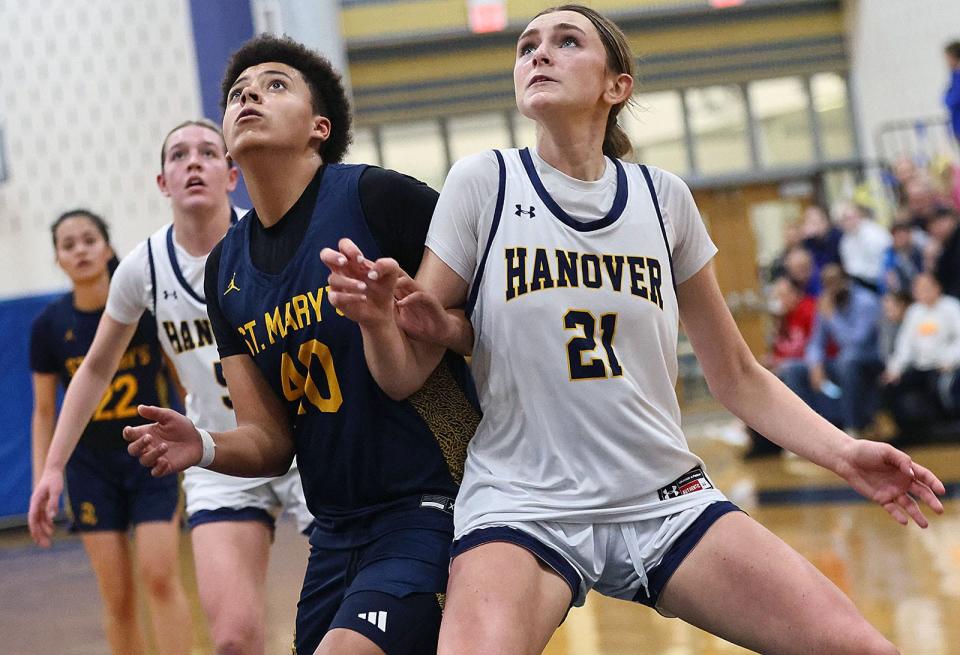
(59,340)
(359,451)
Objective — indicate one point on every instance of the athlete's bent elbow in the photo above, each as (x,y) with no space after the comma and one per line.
(397,393)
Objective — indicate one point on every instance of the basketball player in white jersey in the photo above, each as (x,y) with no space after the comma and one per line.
(231,519)
(574,268)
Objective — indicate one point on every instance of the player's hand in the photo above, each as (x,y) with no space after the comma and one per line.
(169,445)
(44,502)
(420,313)
(891,478)
(361,289)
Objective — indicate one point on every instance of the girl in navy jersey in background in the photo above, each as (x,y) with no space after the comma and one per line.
(109,492)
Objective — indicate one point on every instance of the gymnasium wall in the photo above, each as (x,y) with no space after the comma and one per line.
(896,55)
(89,90)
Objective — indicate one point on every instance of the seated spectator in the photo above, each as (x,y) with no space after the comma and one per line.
(862,246)
(795,312)
(923,201)
(920,375)
(799,267)
(792,237)
(795,319)
(904,172)
(944,233)
(901,261)
(894,306)
(843,389)
(820,237)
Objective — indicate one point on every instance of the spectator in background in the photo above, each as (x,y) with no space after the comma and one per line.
(821,238)
(921,372)
(795,312)
(901,261)
(862,246)
(923,201)
(799,267)
(946,268)
(952,97)
(894,306)
(904,172)
(792,237)
(842,389)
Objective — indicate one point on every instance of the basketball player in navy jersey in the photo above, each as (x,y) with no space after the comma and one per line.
(231,519)
(109,493)
(575,267)
(379,475)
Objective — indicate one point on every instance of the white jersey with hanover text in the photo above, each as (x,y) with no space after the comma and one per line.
(575,352)
(161,276)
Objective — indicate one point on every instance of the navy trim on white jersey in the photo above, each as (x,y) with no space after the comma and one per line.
(501,189)
(663,229)
(153,276)
(175,265)
(619,200)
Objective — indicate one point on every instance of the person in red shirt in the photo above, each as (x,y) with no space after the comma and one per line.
(797,313)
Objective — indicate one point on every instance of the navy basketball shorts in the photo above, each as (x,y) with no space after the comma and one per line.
(108,490)
(385,581)
(631,561)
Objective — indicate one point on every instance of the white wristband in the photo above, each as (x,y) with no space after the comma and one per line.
(209,448)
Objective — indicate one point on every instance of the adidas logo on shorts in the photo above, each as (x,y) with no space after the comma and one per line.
(378,619)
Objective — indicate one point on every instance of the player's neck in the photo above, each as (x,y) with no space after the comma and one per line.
(198,232)
(574,146)
(275,183)
(91,295)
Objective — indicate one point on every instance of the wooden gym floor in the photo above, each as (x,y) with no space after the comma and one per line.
(906,581)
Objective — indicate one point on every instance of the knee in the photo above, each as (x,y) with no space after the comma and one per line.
(160,584)
(120,604)
(236,634)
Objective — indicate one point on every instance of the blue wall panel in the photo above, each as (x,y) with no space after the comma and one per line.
(219,28)
(16,402)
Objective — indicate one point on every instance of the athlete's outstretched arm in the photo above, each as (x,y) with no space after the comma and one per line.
(365,292)
(84,393)
(876,470)
(42,420)
(260,445)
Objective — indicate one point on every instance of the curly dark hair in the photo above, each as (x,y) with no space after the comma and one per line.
(325,83)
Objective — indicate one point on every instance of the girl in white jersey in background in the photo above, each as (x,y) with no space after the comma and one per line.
(231,519)
(574,267)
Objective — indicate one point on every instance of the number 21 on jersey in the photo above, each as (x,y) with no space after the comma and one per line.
(582,359)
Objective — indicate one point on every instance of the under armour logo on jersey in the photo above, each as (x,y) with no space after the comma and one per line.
(233,285)
(169,294)
(378,619)
(68,335)
(521,212)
